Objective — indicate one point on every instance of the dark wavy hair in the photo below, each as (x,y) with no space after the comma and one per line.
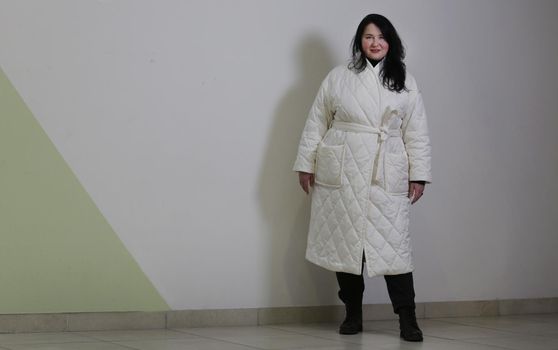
(393,72)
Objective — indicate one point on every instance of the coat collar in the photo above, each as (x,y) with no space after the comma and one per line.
(376,69)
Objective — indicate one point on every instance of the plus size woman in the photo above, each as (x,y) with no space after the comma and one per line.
(365,152)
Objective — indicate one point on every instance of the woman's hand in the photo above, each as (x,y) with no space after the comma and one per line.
(416,189)
(306,181)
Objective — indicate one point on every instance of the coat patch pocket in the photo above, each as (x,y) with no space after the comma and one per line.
(397,173)
(329,165)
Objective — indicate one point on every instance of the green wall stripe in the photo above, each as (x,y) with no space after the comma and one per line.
(57,251)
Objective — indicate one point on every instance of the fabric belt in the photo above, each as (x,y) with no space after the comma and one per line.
(354,127)
(378,171)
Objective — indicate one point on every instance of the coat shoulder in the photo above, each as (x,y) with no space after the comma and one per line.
(339,73)
(337,77)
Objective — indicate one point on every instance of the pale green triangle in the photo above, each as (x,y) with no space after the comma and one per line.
(57,251)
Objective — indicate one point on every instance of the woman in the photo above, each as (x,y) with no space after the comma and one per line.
(365,151)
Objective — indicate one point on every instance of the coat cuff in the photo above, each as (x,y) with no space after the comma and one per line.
(302,165)
(420,177)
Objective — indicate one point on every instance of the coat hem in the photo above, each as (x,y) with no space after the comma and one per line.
(370,274)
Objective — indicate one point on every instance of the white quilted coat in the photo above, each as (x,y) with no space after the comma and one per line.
(364,144)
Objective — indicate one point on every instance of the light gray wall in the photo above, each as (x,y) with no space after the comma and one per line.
(182,118)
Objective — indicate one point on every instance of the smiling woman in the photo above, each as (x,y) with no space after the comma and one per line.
(366,152)
(374,44)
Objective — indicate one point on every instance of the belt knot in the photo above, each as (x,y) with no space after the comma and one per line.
(384,133)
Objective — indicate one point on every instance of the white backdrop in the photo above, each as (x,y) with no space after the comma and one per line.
(182,118)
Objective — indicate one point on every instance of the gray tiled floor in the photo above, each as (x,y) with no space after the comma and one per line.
(475,333)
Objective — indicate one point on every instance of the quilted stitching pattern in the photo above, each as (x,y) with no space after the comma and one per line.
(352,213)
(329,164)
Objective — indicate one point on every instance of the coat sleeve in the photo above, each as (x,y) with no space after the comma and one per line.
(416,139)
(319,119)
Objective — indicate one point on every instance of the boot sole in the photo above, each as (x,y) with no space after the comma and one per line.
(350,331)
(415,340)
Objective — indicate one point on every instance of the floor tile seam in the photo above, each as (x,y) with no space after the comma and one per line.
(142,339)
(53,342)
(494,329)
(205,338)
(285,330)
(317,336)
(10,346)
(487,345)
(496,346)
(134,339)
(185,330)
(525,314)
(123,345)
(501,336)
(517,335)
(220,340)
(468,339)
(96,341)
(393,331)
(463,324)
(348,341)
(290,333)
(464,339)
(323,337)
(91,337)
(385,330)
(523,334)
(336,341)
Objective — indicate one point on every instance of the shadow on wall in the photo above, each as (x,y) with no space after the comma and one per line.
(292,280)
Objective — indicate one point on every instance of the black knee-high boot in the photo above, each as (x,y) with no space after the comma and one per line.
(402,294)
(351,289)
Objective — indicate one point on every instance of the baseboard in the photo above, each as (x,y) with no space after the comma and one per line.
(96,321)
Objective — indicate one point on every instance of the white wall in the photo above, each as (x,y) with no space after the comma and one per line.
(182,118)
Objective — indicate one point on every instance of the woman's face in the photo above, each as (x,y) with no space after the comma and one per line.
(374,46)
